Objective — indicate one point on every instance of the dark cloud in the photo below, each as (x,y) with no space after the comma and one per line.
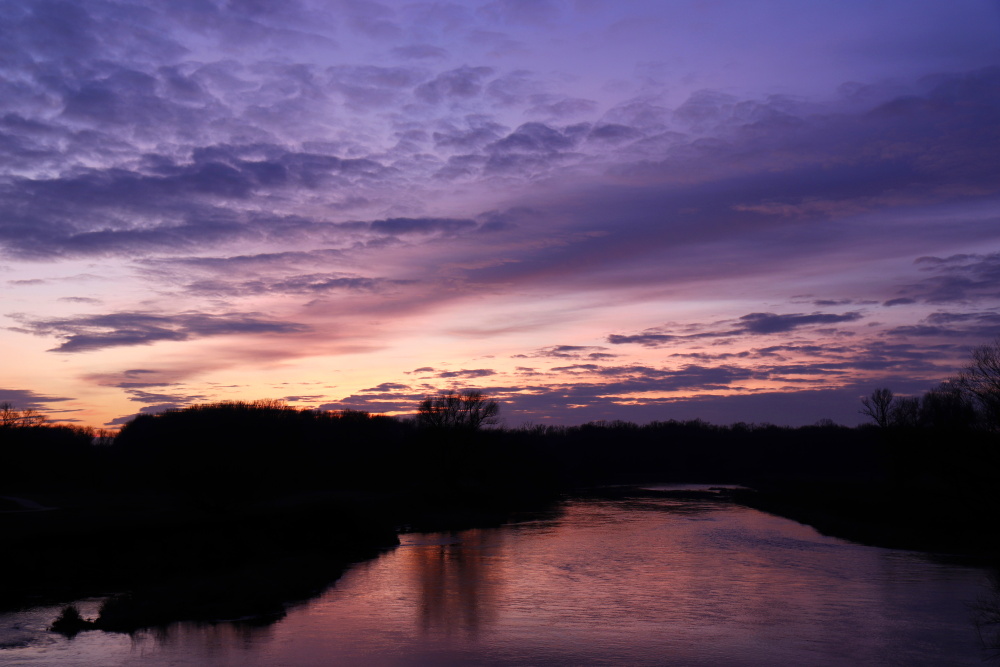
(825,303)
(576,367)
(768,323)
(140,396)
(638,379)
(476,373)
(308,284)
(25,399)
(387,387)
(954,279)
(250,263)
(301,399)
(134,378)
(709,110)
(970,326)
(461,83)
(752,324)
(94,332)
(760,186)
(141,385)
(568,352)
(171,206)
(613,133)
(818,350)
(647,339)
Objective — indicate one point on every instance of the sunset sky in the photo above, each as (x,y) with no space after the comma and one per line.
(591,209)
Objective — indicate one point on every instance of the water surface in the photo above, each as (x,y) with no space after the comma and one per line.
(638,581)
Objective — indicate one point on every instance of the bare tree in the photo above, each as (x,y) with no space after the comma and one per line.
(878,406)
(980,380)
(13,418)
(467,409)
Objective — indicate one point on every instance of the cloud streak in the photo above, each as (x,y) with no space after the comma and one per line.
(754,324)
(96,332)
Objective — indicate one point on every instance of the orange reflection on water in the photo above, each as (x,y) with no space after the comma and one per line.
(458,581)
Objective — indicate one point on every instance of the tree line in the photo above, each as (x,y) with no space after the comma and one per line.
(969,401)
(454,453)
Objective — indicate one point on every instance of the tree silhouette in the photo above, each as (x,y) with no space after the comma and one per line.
(468,409)
(980,379)
(12,417)
(878,406)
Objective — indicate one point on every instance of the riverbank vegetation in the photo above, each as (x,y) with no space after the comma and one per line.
(232,509)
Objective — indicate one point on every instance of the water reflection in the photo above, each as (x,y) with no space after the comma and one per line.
(457,582)
(220,643)
(642,581)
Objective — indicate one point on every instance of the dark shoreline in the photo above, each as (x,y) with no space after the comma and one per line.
(156,567)
(879,515)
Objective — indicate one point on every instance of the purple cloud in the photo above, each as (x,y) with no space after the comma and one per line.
(448,183)
(95,332)
(476,373)
(752,324)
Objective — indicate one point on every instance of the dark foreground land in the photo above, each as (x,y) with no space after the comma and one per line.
(235,510)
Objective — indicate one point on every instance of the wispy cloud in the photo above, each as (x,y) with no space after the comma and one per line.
(95,332)
(751,324)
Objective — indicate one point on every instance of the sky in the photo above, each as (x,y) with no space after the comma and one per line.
(589,209)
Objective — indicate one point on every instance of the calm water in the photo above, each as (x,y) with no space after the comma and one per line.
(633,582)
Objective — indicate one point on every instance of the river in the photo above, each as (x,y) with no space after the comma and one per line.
(635,581)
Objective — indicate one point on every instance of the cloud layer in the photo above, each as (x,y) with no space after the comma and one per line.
(588,208)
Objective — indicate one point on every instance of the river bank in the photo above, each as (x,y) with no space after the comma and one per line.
(917,517)
(158,561)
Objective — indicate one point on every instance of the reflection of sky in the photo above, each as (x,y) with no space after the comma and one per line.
(646,582)
(643,210)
